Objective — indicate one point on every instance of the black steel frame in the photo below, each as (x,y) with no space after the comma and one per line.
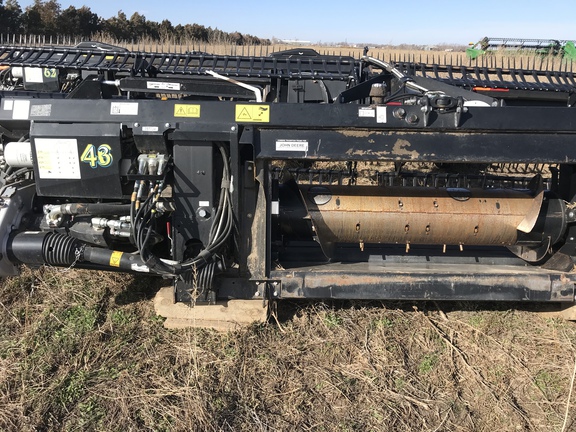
(324,132)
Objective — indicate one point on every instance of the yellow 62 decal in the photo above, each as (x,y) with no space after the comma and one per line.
(95,157)
(50,73)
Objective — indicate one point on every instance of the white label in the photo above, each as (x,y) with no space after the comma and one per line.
(275,207)
(476,103)
(149,128)
(57,158)
(366,112)
(41,110)
(203,203)
(153,85)
(8,104)
(292,145)
(34,75)
(140,268)
(124,108)
(21,109)
(381,114)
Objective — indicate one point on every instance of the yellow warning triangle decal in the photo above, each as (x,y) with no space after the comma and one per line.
(181,111)
(244,115)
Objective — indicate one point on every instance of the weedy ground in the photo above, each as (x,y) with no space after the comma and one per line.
(82,351)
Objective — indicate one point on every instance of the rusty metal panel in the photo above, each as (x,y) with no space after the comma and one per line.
(419,215)
(438,282)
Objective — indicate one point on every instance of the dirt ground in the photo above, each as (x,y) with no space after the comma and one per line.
(81,351)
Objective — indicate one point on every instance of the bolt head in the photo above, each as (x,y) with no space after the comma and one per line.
(233,128)
(167,125)
(399,113)
(412,119)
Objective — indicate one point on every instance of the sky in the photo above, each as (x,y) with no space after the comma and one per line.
(397,22)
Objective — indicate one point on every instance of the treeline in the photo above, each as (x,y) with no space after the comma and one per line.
(47,18)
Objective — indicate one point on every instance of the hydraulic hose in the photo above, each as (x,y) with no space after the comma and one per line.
(95,209)
(55,212)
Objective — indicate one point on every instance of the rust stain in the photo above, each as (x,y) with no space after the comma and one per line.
(365,133)
(401,148)
(356,152)
(356,133)
(257,240)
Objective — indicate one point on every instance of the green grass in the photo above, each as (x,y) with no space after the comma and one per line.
(428,363)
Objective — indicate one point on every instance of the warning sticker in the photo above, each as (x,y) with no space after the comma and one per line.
(57,158)
(41,110)
(153,85)
(184,110)
(124,108)
(253,113)
(115,259)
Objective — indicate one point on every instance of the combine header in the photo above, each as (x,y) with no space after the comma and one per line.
(295,175)
(544,47)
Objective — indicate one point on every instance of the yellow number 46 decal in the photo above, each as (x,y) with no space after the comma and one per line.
(95,157)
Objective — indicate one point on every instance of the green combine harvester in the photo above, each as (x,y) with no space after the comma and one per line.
(544,47)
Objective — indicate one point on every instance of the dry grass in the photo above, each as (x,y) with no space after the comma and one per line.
(86,352)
